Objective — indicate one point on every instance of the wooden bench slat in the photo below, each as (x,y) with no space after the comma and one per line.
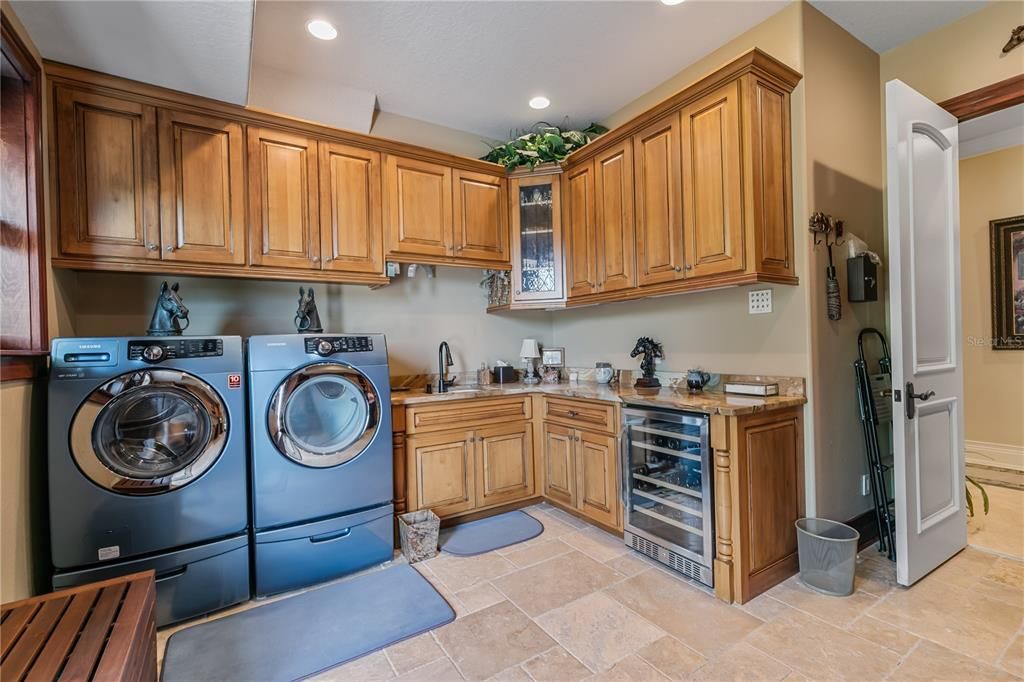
(129,627)
(94,634)
(17,663)
(14,625)
(49,662)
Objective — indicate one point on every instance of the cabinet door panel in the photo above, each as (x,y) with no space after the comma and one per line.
(712,195)
(659,189)
(480,217)
(504,463)
(202,189)
(283,199)
(770,176)
(613,187)
(351,232)
(418,201)
(536,211)
(580,236)
(107,169)
(441,467)
(598,478)
(559,464)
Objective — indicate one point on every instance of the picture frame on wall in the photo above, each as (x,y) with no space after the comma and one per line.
(553,357)
(1007,244)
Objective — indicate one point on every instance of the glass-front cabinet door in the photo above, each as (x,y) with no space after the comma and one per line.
(536,239)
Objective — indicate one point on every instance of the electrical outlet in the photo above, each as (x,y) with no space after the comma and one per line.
(865,485)
(759,301)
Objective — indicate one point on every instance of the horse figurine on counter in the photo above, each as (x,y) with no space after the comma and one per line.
(307,317)
(169,309)
(651,350)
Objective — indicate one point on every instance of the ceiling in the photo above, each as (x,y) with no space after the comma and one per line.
(468,65)
(885,24)
(998,130)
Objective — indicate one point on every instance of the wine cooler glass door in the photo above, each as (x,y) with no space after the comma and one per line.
(668,481)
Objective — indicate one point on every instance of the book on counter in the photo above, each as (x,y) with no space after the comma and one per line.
(760,388)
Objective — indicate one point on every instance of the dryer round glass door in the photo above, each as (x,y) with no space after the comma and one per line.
(323,415)
(148,432)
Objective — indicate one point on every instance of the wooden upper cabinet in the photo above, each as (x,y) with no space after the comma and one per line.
(766,126)
(536,238)
(106,158)
(351,238)
(418,207)
(597,477)
(283,199)
(580,231)
(480,217)
(202,188)
(658,190)
(613,189)
(712,183)
(504,465)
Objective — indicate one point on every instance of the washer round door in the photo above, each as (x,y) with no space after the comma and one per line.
(323,415)
(149,432)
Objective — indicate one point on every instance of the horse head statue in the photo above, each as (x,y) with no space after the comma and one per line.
(307,317)
(169,309)
(651,350)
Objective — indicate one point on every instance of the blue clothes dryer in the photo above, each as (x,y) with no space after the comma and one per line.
(322,488)
(147,467)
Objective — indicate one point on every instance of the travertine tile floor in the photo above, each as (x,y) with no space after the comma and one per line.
(575,604)
(1002,529)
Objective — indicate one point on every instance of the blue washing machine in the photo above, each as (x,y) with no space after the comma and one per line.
(147,467)
(322,489)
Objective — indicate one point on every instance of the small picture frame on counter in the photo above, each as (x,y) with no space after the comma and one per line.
(552,357)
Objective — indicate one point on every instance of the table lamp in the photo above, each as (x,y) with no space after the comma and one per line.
(528,352)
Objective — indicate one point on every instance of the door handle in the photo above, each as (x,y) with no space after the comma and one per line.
(327,537)
(911,396)
(171,574)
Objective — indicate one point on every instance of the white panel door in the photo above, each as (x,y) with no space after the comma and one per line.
(927,367)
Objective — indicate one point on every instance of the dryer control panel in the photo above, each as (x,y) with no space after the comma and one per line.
(329,345)
(158,350)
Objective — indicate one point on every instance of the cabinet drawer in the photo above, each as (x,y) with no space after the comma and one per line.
(581,414)
(454,414)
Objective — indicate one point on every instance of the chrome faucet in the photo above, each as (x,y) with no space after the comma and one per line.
(444,361)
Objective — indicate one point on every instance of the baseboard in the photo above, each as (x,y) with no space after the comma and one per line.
(867,525)
(995,454)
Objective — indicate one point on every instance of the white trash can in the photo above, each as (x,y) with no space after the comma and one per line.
(828,555)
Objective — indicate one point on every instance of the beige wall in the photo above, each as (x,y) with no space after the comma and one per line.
(962,56)
(991,187)
(844,179)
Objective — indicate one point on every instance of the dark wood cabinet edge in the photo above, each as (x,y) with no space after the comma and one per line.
(230,272)
(65,74)
(24,366)
(1005,93)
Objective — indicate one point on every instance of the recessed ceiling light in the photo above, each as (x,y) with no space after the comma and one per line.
(672,2)
(322,30)
(540,102)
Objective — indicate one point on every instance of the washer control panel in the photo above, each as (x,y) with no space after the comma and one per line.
(329,345)
(158,350)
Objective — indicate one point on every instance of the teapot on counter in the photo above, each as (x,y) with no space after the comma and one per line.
(696,379)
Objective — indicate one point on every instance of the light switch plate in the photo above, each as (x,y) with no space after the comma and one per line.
(865,485)
(759,301)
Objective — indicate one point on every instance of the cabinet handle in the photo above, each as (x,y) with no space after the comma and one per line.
(678,269)
(689,267)
(151,246)
(168,248)
(572,413)
(327,260)
(518,292)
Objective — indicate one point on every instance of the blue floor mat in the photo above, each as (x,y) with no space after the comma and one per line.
(494,532)
(300,636)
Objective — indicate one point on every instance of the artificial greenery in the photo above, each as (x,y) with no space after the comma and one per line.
(970,500)
(543,143)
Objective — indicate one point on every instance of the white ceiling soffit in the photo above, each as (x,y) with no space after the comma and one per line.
(885,24)
(474,66)
(999,130)
(201,47)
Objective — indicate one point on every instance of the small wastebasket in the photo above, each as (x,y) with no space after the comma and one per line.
(828,555)
(418,532)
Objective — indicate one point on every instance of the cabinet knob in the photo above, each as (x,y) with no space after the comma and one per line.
(168,248)
(678,269)
(151,246)
(327,260)
(315,259)
(518,292)
(573,413)
(689,267)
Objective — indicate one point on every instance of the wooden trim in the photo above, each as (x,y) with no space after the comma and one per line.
(22,367)
(1006,93)
(867,525)
(15,48)
(164,97)
(682,287)
(752,61)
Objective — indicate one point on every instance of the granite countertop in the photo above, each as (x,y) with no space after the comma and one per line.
(708,402)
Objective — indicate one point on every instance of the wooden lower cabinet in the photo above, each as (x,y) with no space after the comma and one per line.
(462,470)
(581,472)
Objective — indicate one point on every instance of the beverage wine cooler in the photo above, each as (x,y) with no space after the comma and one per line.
(667,468)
